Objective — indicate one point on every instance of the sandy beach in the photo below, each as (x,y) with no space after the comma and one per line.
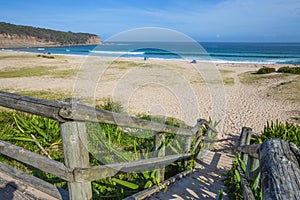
(227,92)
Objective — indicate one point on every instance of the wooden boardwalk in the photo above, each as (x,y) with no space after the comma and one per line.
(204,183)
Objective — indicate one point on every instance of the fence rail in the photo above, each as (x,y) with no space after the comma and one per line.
(63,112)
(278,163)
(35,160)
(76,168)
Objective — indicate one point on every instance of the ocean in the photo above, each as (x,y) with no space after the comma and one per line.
(283,53)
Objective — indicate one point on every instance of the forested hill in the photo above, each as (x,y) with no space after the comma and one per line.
(27,36)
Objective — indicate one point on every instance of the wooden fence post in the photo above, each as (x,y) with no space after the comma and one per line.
(188,142)
(208,136)
(252,164)
(245,140)
(76,156)
(248,194)
(159,147)
(280,170)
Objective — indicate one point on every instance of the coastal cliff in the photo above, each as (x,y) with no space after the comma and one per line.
(14,36)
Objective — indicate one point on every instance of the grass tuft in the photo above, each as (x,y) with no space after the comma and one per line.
(26,72)
(227,78)
(38,71)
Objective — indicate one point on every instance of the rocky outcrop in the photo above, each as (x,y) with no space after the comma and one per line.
(93,40)
(19,41)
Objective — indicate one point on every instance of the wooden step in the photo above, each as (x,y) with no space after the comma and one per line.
(204,183)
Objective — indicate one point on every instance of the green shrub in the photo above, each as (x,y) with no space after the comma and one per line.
(265,70)
(295,70)
(284,70)
(291,70)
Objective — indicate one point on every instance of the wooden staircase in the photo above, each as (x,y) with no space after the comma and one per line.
(204,183)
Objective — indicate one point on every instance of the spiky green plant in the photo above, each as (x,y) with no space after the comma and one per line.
(112,143)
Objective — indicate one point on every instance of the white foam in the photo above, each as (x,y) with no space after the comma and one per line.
(118,52)
(245,61)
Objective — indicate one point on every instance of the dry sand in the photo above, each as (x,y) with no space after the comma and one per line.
(176,88)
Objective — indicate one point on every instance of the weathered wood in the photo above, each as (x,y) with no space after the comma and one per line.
(187,149)
(245,140)
(35,182)
(247,192)
(148,192)
(86,113)
(35,160)
(280,171)
(195,130)
(249,154)
(76,156)
(197,143)
(251,150)
(104,171)
(159,148)
(208,139)
(295,150)
(199,124)
(252,165)
(62,112)
(31,105)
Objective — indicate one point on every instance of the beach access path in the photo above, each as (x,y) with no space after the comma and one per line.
(205,183)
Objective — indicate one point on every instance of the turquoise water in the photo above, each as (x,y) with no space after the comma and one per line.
(218,52)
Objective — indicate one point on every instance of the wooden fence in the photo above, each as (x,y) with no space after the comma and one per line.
(76,169)
(278,163)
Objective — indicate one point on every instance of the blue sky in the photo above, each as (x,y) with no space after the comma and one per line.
(203,20)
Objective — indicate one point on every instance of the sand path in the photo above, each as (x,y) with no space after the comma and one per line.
(253,106)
